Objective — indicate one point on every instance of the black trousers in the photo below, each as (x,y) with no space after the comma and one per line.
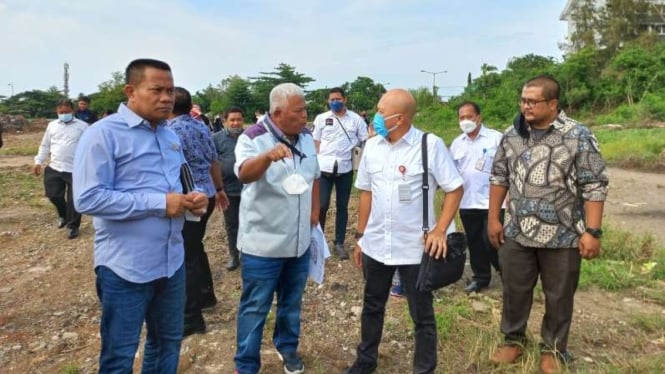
(378,280)
(342,184)
(197,268)
(559,270)
(57,185)
(231,222)
(481,253)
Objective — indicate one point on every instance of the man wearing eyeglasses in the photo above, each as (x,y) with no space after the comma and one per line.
(553,170)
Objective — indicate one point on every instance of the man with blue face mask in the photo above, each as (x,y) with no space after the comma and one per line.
(390,221)
(59,142)
(336,133)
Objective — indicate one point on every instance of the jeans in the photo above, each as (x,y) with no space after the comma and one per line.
(57,185)
(261,278)
(125,305)
(482,255)
(378,280)
(198,275)
(231,222)
(342,184)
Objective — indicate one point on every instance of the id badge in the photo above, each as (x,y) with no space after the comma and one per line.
(480,163)
(404,192)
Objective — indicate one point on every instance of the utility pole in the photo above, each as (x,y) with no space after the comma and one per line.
(66,88)
(434,74)
(11,85)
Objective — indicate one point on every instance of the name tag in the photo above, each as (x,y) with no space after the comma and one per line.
(404,193)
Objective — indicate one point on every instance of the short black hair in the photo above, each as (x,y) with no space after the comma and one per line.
(183,101)
(473,104)
(84,98)
(338,90)
(551,87)
(135,69)
(233,109)
(63,101)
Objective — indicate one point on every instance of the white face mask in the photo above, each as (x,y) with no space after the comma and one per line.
(65,117)
(295,184)
(467,126)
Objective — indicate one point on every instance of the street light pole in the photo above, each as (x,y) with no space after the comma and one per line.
(11,85)
(434,74)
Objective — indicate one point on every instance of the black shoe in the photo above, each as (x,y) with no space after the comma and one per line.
(360,369)
(73,233)
(474,287)
(190,329)
(208,300)
(233,263)
(341,252)
(61,222)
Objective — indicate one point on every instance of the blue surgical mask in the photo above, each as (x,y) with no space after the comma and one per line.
(65,117)
(336,105)
(380,124)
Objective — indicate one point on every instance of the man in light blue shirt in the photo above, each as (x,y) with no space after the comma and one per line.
(276,159)
(127,176)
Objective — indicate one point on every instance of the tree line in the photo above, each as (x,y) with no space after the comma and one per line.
(612,69)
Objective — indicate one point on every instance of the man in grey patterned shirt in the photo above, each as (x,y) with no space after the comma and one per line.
(556,180)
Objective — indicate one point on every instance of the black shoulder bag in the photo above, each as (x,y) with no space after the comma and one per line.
(438,273)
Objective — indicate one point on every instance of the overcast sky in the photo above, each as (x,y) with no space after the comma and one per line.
(205,41)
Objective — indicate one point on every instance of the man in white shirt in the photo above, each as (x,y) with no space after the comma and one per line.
(60,141)
(390,225)
(473,152)
(336,133)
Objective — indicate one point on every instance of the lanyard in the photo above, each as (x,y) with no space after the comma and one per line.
(284,141)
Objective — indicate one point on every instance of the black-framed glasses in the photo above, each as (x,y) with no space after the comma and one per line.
(531,102)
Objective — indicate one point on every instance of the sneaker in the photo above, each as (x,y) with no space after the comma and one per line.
(61,222)
(292,363)
(341,252)
(397,291)
(73,233)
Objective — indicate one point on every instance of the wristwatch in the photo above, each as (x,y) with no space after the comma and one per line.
(596,233)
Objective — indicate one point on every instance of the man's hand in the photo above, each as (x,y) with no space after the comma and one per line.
(176,204)
(199,203)
(358,257)
(37,169)
(495,233)
(589,246)
(314,218)
(436,245)
(280,151)
(221,200)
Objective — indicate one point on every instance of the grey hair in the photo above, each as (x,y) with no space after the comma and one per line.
(281,93)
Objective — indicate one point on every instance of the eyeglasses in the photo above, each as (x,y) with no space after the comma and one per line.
(530,103)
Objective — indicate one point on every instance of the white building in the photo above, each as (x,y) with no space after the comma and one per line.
(655,23)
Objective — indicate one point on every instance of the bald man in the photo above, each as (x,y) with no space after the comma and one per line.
(390,183)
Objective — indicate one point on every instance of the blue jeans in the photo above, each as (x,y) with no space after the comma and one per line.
(342,184)
(261,278)
(125,305)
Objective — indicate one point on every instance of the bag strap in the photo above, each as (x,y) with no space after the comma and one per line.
(342,126)
(425,185)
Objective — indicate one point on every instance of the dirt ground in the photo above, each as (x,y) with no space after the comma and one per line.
(49,312)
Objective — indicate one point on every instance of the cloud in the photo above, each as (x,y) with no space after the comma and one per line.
(206,41)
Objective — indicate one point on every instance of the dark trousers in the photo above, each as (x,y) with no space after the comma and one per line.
(197,268)
(231,222)
(378,280)
(57,185)
(559,270)
(481,253)
(342,184)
